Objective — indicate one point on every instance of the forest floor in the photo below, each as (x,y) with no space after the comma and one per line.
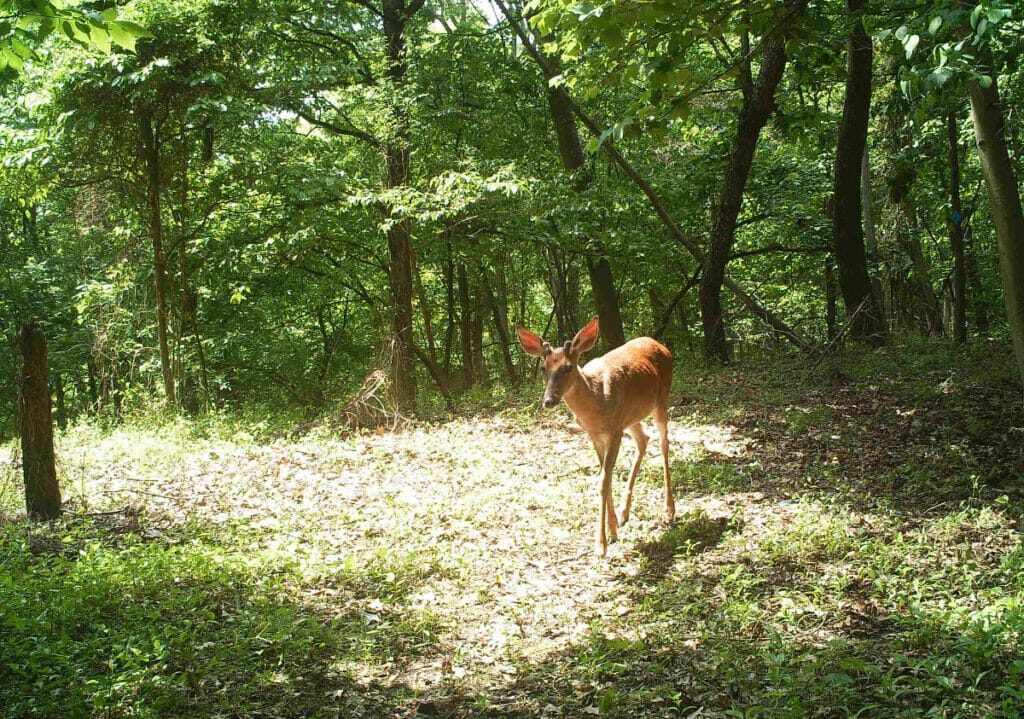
(848,543)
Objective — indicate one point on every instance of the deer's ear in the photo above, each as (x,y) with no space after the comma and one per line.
(532,344)
(585,338)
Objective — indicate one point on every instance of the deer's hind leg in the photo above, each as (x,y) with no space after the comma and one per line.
(661,420)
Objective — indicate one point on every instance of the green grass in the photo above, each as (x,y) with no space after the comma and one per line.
(189,627)
(848,544)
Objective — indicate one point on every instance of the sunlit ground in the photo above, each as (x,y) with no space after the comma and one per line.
(451,568)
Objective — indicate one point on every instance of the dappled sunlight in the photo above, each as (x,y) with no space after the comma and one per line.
(454,561)
(698,440)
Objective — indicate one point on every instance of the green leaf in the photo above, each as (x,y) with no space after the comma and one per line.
(613,36)
(997,14)
(21,49)
(123,39)
(680,109)
(125,33)
(100,39)
(13,60)
(135,29)
(911,44)
(975,14)
(935,24)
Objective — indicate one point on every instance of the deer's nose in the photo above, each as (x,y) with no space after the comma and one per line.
(550,402)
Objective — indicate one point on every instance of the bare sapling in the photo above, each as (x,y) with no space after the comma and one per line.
(610,395)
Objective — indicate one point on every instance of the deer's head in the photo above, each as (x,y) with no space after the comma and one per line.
(560,363)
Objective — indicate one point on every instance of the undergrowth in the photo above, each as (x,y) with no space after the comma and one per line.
(848,544)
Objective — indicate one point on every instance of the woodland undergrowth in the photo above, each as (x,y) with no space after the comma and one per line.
(848,544)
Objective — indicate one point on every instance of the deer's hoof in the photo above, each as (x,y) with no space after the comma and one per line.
(624,517)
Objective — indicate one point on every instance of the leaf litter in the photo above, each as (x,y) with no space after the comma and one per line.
(489,522)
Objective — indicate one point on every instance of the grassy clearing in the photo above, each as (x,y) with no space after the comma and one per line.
(848,544)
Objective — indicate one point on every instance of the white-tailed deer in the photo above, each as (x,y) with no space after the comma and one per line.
(609,396)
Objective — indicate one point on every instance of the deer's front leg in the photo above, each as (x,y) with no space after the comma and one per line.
(608,450)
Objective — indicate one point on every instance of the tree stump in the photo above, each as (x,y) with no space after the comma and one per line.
(35,421)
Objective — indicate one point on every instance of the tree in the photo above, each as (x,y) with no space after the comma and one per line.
(27,24)
(758,102)
(967,38)
(42,494)
(1004,196)
(866,318)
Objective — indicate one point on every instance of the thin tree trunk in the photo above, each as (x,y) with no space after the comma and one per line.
(500,316)
(425,312)
(465,327)
(151,151)
(186,297)
(867,318)
(954,225)
(989,127)
(563,283)
(831,306)
(657,204)
(570,149)
(501,320)
(753,116)
(395,14)
(449,304)
(922,273)
(870,237)
(979,303)
(602,282)
(35,422)
(93,384)
(62,411)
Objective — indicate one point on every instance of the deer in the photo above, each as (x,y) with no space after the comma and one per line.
(610,396)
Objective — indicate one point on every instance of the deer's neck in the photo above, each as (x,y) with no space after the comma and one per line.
(584,398)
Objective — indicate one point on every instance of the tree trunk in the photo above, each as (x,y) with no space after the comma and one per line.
(400,288)
(979,303)
(870,237)
(151,150)
(602,283)
(753,116)
(499,313)
(400,251)
(93,384)
(831,313)
(465,327)
(62,410)
(867,318)
(35,422)
(922,274)
(500,304)
(563,283)
(954,225)
(449,305)
(657,204)
(989,123)
(606,301)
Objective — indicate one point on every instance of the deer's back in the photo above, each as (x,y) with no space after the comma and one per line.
(632,380)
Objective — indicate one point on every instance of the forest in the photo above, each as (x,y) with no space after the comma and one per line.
(270,274)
